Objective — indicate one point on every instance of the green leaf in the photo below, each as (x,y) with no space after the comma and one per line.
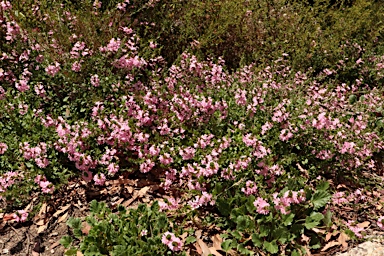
(264,230)
(316,216)
(296,253)
(323,185)
(223,207)
(256,240)
(328,218)
(71,252)
(226,245)
(244,251)
(74,223)
(66,241)
(271,247)
(313,220)
(236,234)
(243,222)
(287,219)
(319,199)
(190,239)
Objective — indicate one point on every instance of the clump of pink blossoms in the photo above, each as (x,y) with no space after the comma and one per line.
(20,216)
(3,148)
(262,206)
(355,228)
(99,179)
(174,243)
(52,70)
(46,186)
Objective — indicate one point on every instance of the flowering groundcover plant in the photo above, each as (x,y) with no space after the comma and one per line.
(251,151)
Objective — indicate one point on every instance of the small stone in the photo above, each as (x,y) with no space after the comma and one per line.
(5,251)
(52,251)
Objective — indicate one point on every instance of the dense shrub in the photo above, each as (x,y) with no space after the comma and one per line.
(252,146)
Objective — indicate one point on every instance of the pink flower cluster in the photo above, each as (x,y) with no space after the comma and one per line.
(174,243)
(170,204)
(99,179)
(20,216)
(261,205)
(52,70)
(37,153)
(3,148)
(250,188)
(46,186)
(7,180)
(283,203)
(201,200)
(353,226)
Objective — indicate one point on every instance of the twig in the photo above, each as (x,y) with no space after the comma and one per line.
(28,242)
(17,234)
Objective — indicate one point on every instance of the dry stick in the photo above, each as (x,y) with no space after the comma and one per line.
(17,234)
(28,242)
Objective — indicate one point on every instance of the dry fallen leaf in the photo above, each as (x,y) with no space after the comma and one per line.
(198,234)
(330,245)
(364,224)
(305,239)
(8,217)
(40,222)
(43,209)
(217,241)
(78,253)
(42,228)
(321,231)
(203,247)
(54,245)
(63,209)
(136,195)
(214,252)
(143,191)
(63,218)
(35,253)
(198,249)
(343,238)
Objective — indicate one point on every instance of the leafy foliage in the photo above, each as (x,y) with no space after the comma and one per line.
(133,232)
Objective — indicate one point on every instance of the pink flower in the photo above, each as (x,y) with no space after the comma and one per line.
(87,176)
(249,141)
(380,222)
(113,168)
(95,80)
(355,228)
(266,127)
(174,243)
(53,69)
(339,198)
(147,166)
(20,216)
(113,45)
(3,148)
(152,45)
(261,206)
(166,159)
(250,188)
(188,153)
(47,187)
(76,66)
(99,179)
(22,86)
(285,135)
